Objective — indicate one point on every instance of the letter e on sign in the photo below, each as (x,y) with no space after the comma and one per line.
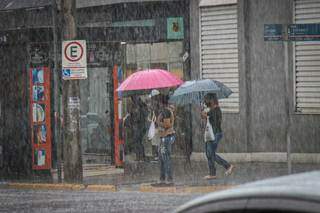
(73,51)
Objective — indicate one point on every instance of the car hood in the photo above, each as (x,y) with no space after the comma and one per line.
(304,186)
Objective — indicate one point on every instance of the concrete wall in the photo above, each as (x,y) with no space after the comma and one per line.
(267,75)
(305,134)
(261,122)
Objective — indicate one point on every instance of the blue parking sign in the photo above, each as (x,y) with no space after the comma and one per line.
(66,73)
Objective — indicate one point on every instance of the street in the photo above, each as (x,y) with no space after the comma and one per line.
(83,201)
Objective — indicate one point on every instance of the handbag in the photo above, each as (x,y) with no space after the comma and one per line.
(152,130)
(208,134)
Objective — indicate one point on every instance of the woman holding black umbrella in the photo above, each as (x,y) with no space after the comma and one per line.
(212,139)
(194,92)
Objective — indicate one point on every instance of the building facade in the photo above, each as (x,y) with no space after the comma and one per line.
(275,85)
(257,117)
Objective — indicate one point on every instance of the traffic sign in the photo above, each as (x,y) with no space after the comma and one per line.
(74,60)
(304,32)
(273,32)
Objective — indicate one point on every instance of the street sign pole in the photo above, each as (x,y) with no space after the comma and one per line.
(71,105)
(56,81)
(287,105)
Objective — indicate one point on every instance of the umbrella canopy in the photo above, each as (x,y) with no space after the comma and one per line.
(194,91)
(148,80)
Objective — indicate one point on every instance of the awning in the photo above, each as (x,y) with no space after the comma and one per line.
(24,4)
(93,3)
(21,4)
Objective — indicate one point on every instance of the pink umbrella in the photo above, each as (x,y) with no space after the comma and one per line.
(149,79)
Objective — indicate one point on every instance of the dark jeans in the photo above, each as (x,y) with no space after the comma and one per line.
(138,144)
(211,148)
(154,151)
(164,151)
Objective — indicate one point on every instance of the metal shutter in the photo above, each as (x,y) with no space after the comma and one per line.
(219,50)
(307,60)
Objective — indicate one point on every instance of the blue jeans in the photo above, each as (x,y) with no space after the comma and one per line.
(164,151)
(211,148)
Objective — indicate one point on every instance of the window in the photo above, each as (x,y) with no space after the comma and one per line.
(164,55)
(219,49)
(307,60)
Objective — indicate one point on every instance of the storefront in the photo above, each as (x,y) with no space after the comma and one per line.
(133,36)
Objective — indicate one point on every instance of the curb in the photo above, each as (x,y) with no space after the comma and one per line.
(74,187)
(147,187)
(185,190)
(205,189)
(101,188)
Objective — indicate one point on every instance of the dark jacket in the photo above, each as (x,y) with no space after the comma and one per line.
(215,119)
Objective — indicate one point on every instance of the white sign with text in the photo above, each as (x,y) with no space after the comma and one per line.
(74,60)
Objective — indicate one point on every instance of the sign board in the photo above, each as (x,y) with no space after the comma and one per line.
(74,103)
(175,28)
(74,60)
(74,110)
(304,32)
(40,120)
(273,32)
(185,56)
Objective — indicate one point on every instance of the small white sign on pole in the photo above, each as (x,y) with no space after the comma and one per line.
(74,60)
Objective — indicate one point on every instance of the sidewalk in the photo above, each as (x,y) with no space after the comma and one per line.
(138,176)
(92,170)
(136,173)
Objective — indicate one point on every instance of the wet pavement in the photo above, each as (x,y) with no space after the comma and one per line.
(129,196)
(136,173)
(83,201)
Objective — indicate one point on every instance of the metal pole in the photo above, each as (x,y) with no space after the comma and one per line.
(56,84)
(287,106)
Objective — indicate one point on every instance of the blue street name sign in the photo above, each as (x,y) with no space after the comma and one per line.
(273,32)
(304,32)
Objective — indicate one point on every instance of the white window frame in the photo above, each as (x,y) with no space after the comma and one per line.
(209,3)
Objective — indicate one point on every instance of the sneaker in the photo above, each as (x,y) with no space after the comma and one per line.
(169,182)
(230,170)
(155,160)
(159,184)
(210,177)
